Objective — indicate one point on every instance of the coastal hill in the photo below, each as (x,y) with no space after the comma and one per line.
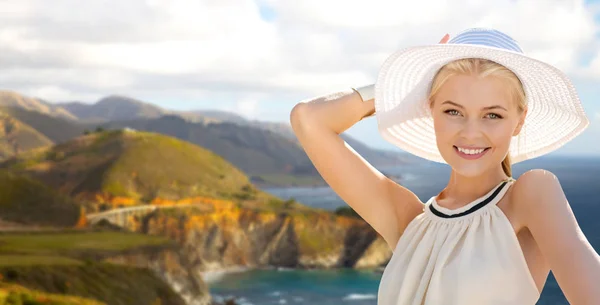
(26,201)
(258,152)
(47,191)
(50,256)
(85,267)
(125,167)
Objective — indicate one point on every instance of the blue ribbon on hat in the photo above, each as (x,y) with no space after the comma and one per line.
(486,37)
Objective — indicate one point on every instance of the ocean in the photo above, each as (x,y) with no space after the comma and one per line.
(579,178)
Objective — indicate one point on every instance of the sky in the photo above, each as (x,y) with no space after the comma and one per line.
(259,58)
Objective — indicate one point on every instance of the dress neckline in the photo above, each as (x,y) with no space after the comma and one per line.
(493,196)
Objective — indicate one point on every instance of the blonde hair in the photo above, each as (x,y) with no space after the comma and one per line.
(482,68)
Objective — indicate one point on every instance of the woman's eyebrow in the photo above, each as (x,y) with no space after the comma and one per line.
(484,108)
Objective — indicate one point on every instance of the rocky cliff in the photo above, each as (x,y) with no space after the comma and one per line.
(173,267)
(230,237)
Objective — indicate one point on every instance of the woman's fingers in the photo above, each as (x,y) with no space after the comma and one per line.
(445,38)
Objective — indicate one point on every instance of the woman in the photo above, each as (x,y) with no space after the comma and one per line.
(479,104)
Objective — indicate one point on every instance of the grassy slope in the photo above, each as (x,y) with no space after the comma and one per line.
(61,263)
(28,201)
(253,150)
(165,167)
(111,284)
(18,294)
(70,245)
(137,165)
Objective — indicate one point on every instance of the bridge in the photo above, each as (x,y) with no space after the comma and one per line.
(120,216)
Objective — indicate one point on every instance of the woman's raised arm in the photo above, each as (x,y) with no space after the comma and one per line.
(380,201)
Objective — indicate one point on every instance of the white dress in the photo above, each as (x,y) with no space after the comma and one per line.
(465,256)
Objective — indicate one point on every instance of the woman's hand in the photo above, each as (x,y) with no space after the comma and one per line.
(445,38)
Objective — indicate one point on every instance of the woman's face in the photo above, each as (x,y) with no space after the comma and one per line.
(476,115)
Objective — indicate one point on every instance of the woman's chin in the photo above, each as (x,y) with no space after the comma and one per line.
(467,171)
(470,168)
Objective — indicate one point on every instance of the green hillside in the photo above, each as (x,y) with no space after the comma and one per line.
(268,153)
(141,166)
(18,294)
(27,201)
(255,151)
(70,246)
(109,284)
(65,267)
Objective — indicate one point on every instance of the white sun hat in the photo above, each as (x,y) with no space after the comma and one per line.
(555,114)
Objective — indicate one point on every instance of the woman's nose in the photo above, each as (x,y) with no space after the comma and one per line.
(471,130)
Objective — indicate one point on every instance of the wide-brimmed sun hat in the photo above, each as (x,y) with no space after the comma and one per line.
(555,114)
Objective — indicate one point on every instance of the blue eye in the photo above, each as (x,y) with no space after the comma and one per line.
(454,112)
(451,111)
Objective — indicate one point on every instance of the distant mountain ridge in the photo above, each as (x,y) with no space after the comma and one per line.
(267,151)
(54,128)
(113,107)
(16,136)
(119,108)
(376,156)
(22,130)
(10,98)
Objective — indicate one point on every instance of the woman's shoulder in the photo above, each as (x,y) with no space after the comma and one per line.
(533,181)
(531,189)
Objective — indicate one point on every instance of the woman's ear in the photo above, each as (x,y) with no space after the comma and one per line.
(521,122)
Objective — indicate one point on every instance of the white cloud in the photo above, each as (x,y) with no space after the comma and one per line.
(593,71)
(312,47)
(597,115)
(247,108)
(554,32)
(50,92)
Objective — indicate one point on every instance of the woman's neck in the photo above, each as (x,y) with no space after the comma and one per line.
(461,190)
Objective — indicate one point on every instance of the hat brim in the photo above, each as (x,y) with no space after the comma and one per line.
(555,114)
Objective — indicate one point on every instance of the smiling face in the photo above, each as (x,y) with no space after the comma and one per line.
(475,119)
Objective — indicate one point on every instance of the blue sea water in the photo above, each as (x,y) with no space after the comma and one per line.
(286,286)
(579,178)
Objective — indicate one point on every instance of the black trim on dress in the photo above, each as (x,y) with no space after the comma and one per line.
(471,210)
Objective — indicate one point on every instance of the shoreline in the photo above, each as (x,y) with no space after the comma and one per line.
(211,276)
(215,275)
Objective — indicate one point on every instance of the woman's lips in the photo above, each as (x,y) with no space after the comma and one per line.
(471,157)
